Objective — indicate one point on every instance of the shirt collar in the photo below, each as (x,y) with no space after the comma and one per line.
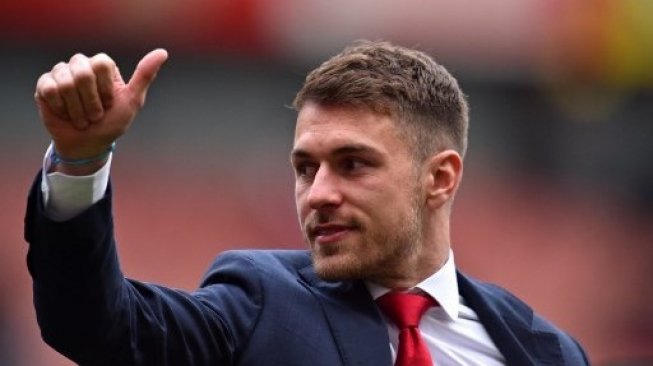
(442,286)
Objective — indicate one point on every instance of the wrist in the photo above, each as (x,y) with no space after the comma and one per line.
(78,166)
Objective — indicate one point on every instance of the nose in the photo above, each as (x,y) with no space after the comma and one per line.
(324,190)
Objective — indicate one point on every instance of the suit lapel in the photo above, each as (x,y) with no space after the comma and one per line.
(510,325)
(354,320)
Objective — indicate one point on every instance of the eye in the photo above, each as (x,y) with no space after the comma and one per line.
(353,165)
(305,169)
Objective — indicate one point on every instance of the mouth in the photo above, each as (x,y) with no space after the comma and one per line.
(329,233)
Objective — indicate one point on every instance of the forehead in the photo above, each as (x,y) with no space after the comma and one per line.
(327,127)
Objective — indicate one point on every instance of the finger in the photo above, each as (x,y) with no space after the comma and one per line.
(105,73)
(48,96)
(85,81)
(145,73)
(49,117)
(68,91)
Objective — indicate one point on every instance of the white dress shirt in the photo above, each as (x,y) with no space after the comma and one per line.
(452,331)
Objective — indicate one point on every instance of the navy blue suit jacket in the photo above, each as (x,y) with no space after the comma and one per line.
(252,308)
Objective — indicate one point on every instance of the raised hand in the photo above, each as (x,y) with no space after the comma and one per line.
(86,105)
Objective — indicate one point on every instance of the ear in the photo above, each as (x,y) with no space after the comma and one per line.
(443,176)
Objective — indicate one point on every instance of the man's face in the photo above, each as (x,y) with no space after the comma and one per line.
(358,193)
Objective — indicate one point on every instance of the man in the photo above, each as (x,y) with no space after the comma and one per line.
(378,157)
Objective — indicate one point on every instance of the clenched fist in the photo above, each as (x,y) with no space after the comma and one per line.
(86,105)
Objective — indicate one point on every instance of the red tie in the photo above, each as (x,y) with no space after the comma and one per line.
(405,310)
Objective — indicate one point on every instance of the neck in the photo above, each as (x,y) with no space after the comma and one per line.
(411,272)
(423,262)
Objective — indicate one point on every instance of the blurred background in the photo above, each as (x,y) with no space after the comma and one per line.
(557,200)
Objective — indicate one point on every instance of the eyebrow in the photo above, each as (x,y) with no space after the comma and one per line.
(342,150)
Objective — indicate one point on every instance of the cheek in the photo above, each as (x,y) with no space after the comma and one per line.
(300,202)
(388,207)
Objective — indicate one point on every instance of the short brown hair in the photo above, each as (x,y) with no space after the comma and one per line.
(404,83)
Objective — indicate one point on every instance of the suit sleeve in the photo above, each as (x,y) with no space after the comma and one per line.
(88,311)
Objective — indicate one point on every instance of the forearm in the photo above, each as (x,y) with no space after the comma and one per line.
(89,312)
(76,275)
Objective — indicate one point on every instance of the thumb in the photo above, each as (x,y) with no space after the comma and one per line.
(145,73)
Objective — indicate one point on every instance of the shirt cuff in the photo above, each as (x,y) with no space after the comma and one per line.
(66,196)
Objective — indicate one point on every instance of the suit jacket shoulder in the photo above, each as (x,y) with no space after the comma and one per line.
(302,319)
(523,336)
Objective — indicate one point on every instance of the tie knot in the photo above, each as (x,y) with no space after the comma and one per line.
(405,309)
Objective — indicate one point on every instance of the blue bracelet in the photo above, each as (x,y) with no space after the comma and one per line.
(55,158)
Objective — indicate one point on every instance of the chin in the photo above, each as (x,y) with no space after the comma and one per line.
(337,267)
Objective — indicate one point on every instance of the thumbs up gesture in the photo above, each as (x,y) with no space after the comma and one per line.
(85,104)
